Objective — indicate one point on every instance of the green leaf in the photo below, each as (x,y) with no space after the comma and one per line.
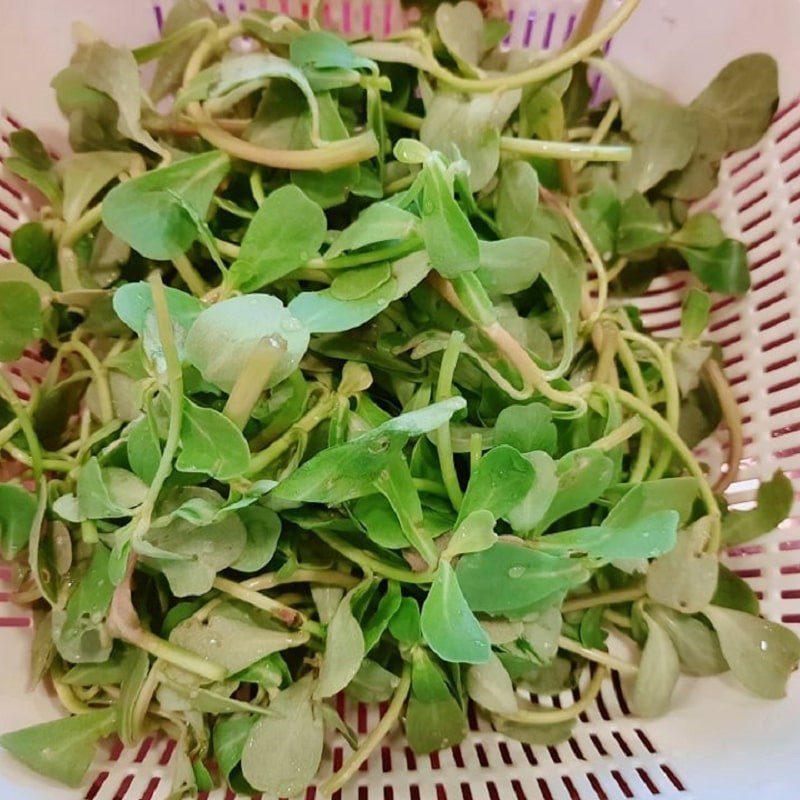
(372,683)
(734,592)
(145,212)
(107,494)
(223,338)
(62,750)
(678,494)
(524,516)
(700,230)
(285,233)
(20,318)
(599,212)
(79,630)
(449,239)
(434,718)
(498,483)
(696,643)
(113,71)
(448,625)
(541,735)
(172,62)
(31,162)
(229,738)
(695,313)
(35,247)
(461,31)
(685,578)
(474,534)
(722,268)
(17,512)
(583,475)
(85,174)
(517,198)
(511,580)
(211,444)
(526,427)
(405,624)
(744,96)
(324,312)
(640,226)
(657,674)
(378,622)
(130,689)
(511,265)
(761,654)
(327,60)
(344,650)
(233,638)
(773,505)
(470,126)
(651,535)
(664,134)
(143,449)
(348,470)
(263,531)
(489,685)
(380,222)
(283,751)
(190,562)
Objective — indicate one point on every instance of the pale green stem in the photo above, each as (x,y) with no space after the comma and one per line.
(541,715)
(733,419)
(603,599)
(642,461)
(253,379)
(189,275)
(444,444)
(602,129)
(100,375)
(370,564)
(567,151)
(373,739)
(21,413)
(598,656)
(624,432)
(281,612)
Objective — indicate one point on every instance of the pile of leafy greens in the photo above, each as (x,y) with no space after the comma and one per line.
(344,393)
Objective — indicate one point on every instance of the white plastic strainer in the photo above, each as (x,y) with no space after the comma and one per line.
(718,742)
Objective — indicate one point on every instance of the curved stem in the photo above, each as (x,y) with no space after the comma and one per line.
(369,563)
(100,375)
(670,436)
(733,419)
(21,413)
(189,275)
(540,715)
(624,432)
(444,446)
(602,129)
(373,739)
(539,72)
(642,461)
(281,612)
(598,656)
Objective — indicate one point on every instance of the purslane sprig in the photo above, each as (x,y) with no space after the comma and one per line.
(344,393)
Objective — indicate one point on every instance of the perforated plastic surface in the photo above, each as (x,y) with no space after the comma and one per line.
(718,742)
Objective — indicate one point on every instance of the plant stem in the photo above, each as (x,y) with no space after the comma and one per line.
(642,462)
(568,151)
(253,379)
(671,437)
(733,419)
(179,656)
(404,118)
(369,563)
(21,413)
(281,612)
(602,129)
(586,22)
(624,432)
(305,424)
(540,715)
(175,383)
(373,738)
(598,656)
(390,253)
(603,599)
(100,375)
(444,444)
(189,275)
(327,577)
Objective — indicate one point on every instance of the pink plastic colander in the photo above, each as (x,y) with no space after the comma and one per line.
(718,742)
